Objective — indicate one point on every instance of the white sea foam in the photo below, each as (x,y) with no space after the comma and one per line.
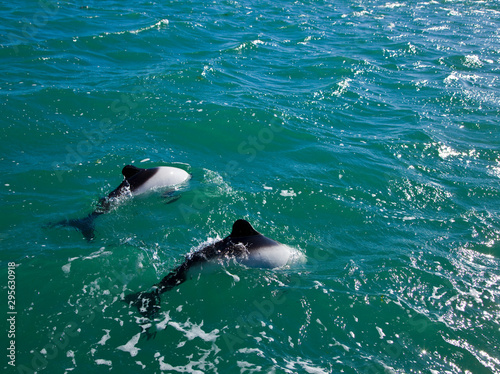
(164,323)
(288,193)
(105,338)
(306,366)
(158,25)
(446,151)
(104,362)
(66,268)
(130,345)
(193,330)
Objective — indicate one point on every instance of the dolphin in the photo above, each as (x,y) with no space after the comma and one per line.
(244,244)
(137,181)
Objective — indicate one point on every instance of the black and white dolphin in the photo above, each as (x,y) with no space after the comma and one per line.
(244,244)
(137,181)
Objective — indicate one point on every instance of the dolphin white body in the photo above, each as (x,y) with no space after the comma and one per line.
(268,257)
(165,176)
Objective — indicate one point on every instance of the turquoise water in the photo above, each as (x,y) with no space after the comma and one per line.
(362,133)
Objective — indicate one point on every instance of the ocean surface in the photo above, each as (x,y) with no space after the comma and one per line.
(363,134)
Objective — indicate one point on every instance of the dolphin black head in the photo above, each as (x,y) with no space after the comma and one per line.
(242,228)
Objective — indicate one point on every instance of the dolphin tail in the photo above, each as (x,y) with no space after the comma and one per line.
(148,302)
(85,225)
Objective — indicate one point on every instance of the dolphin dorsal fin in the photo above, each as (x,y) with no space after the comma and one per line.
(130,170)
(243,228)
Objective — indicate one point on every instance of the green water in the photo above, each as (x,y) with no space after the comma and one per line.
(363,134)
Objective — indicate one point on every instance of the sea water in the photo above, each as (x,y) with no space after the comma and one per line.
(363,134)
